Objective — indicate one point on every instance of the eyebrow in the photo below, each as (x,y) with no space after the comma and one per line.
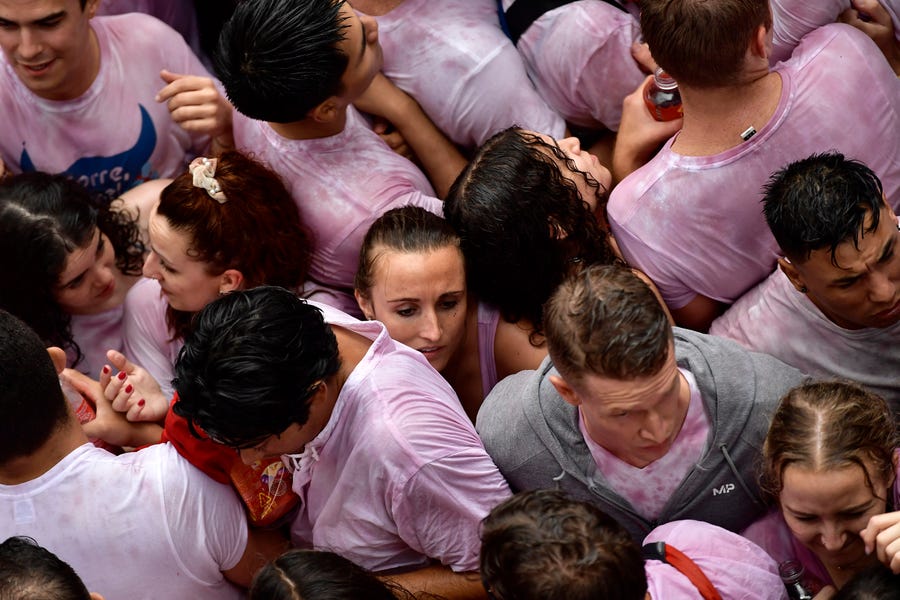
(96,251)
(42,21)
(888,247)
(445,294)
(159,254)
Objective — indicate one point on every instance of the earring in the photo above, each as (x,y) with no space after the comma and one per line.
(803,289)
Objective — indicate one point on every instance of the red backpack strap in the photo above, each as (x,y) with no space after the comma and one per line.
(687,567)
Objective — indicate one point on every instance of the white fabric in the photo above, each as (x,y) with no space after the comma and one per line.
(148,341)
(115,135)
(777,319)
(453,58)
(143,525)
(398,475)
(694,225)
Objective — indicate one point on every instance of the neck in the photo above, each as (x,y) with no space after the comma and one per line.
(714,118)
(376,8)
(61,443)
(352,347)
(310,128)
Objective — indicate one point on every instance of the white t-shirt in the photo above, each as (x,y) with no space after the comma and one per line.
(143,525)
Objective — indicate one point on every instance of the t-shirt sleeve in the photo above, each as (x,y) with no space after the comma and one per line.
(440,508)
(146,342)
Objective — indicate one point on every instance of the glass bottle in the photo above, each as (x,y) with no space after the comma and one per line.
(662,97)
(791,572)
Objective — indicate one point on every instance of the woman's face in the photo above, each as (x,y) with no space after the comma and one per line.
(186,282)
(89,283)
(421,299)
(826,511)
(585,162)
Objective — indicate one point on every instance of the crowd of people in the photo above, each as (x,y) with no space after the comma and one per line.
(417,299)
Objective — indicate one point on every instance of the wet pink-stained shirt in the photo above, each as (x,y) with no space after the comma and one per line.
(177,14)
(148,340)
(398,475)
(341,184)
(115,135)
(579,57)
(694,224)
(143,525)
(737,568)
(776,319)
(649,489)
(453,58)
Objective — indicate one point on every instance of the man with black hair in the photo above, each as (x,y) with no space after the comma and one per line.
(141,525)
(293,68)
(390,472)
(833,306)
(110,101)
(649,423)
(30,572)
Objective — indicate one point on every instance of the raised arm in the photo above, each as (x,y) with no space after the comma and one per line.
(440,581)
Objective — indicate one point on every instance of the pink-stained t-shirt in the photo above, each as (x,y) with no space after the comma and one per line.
(341,184)
(793,19)
(694,224)
(649,489)
(116,134)
(177,14)
(143,525)
(488,318)
(398,475)
(453,58)
(777,319)
(148,340)
(737,568)
(579,57)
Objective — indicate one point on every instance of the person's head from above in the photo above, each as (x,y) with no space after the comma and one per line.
(226,224)
(412,278)
(524,208)
(839,237)
(283,61)
(30,572)
(542,545)
(30,394)
(63,252)
(705,43)
(50,46)
(318,575)
(257,372)
(610,340)
(875,583)
(829,461)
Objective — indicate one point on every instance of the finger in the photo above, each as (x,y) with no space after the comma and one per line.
(195,97)
(641,54)
(195,112)
(169,76)
(120,361)
(114,388)
(871,10)
(58,356)
(105,376)
(185,83)
(84,385)
(123,398)
(135,410)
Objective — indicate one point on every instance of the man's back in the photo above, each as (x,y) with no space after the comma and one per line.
(142,525)
(115,134)
(695,224)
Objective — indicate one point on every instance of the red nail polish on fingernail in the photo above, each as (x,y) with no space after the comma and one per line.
(129,388)
(121,375)
(141,402)
(105,370)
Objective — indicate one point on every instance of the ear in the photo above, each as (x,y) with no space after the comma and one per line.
(96,596)
(759,43)
(231,280)
(327,111)
(793,274)
(365,304)
(91,8)
(565,390)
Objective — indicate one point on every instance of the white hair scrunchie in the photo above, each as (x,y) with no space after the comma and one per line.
(203,171)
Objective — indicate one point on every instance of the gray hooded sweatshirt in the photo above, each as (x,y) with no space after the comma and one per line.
(533,436)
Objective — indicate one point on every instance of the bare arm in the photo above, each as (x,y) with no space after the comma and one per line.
(439,158)
(699,313)
(870,17)
(513,350)
(262,546)
(439,580)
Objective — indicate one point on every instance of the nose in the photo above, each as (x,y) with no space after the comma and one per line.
(882,290)
(29,44)
(105,275)
(431,327)
(571,145)
(151,266)
(654,428)
(833,537)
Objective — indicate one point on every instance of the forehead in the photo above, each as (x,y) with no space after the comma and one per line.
(163,236)
(824,491)
(633,393)
(26,11)
(395,267)
(80,259)
(849,257)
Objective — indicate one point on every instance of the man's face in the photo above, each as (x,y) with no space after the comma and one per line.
(364,57)
(50,45)
(861,288)
(636,420)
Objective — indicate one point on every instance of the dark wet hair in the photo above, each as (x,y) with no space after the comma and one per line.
(31,572)
(251,364)
(541,545)
(44,218)
(522,223)
(821,202)
(279,59)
